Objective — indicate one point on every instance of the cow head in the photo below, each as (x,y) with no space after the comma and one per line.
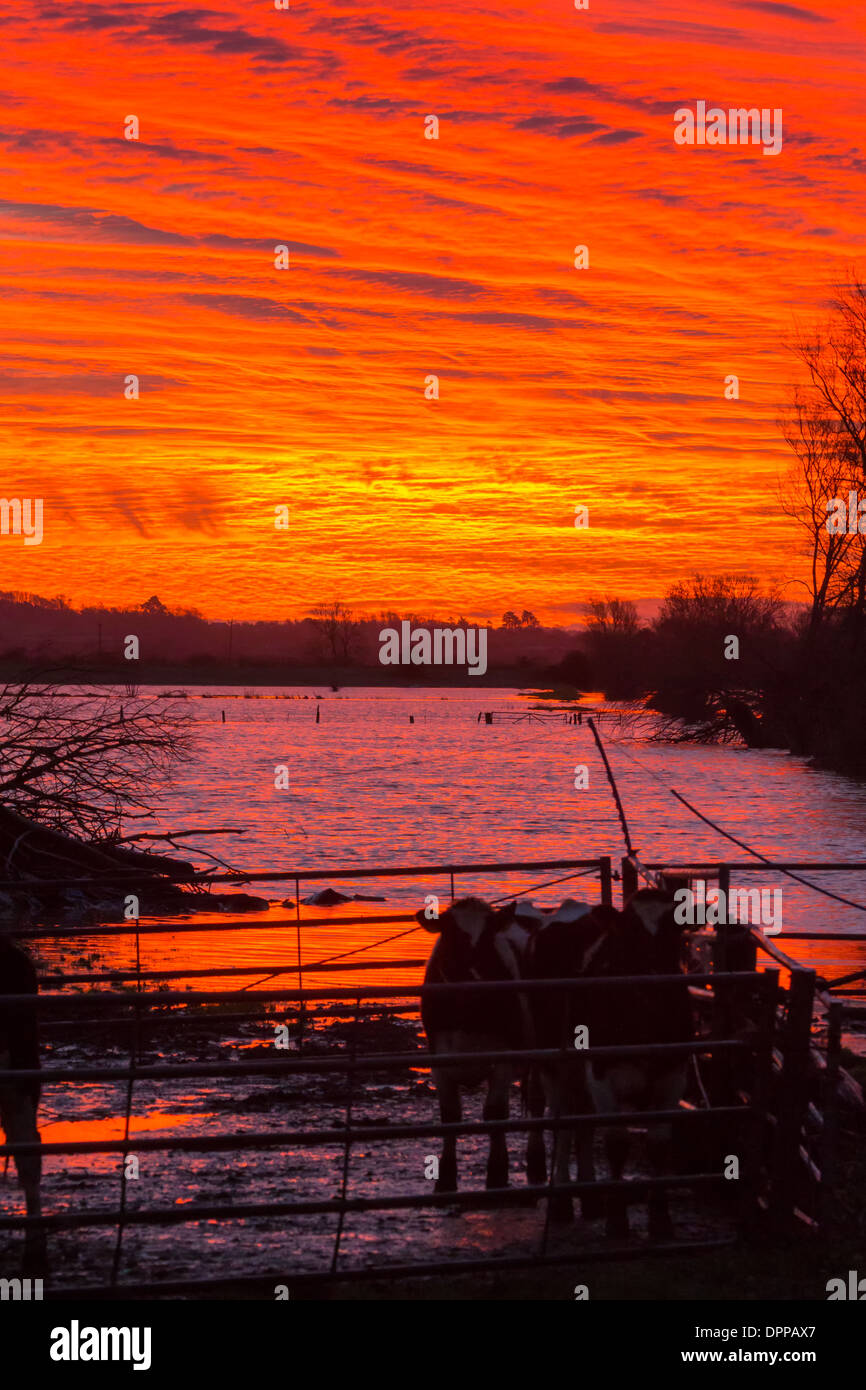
(651,933)
(576,939)
(479,941)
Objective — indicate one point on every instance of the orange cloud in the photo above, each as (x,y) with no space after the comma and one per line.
(409,258)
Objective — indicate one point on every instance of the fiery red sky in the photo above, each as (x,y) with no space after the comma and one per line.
(411,257)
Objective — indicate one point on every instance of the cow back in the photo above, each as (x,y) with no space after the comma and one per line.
(566,951)
(607,943)
(495,955)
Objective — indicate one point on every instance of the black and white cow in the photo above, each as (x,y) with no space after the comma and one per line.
(477,942)
(19,1100)
(643,939)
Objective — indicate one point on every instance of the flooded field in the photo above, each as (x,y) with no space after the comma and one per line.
(289,1246)
(440,789)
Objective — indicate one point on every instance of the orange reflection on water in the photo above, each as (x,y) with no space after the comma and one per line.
(108,1129)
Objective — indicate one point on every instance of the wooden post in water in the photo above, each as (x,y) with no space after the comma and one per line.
(629,880)
(318,712)
(606,880)
(224,716)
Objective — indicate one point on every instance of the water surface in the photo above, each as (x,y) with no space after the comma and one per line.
(408,776)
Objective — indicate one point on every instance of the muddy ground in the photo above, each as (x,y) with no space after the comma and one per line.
(284,1246)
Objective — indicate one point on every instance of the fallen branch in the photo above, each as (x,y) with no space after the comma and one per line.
(173,834)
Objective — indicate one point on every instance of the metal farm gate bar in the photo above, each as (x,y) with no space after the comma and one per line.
(752,1050)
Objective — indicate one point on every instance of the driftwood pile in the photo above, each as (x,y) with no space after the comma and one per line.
(36,864)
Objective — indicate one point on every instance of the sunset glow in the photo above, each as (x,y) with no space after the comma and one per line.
(410,257)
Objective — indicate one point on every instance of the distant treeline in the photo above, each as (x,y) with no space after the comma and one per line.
(724,660)
(38,632)
(734,661)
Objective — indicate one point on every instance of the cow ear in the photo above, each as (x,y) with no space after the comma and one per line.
(431,924)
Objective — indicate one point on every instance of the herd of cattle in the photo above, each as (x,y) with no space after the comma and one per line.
(480,943)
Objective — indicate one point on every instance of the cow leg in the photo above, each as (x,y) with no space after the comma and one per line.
(660,1151)
(608,1092)
(561,1208)
(496,1108)
(450,1112)
(666,1095)
(18,1118)
(617,1145)
(591,1203)
(536,1156)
